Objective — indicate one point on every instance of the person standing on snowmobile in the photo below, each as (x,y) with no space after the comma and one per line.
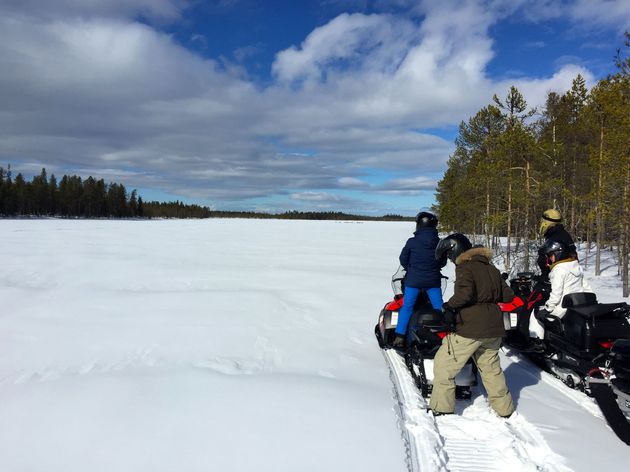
(478,326)
(552,229)
(423,271)
(566,276)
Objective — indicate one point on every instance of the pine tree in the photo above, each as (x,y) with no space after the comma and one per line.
(40,191)
(133,204)
(53,196)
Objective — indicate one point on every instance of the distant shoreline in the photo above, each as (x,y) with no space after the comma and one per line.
(315,216)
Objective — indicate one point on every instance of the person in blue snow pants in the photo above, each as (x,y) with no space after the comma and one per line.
(423,271)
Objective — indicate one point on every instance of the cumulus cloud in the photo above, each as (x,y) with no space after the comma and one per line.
(84,87)
(535,90)
(432,73)
(348,42)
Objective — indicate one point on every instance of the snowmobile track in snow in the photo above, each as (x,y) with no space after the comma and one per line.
(424,445)
(474,439)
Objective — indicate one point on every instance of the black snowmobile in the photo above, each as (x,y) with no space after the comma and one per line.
(588,349)
(425,332)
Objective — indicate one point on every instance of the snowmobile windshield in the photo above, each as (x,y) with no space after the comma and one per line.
(397,280)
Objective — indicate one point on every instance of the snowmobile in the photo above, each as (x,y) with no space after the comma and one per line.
(425,332)
(573,345)
(588,349)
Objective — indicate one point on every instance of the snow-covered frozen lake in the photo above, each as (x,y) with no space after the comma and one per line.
(228,345)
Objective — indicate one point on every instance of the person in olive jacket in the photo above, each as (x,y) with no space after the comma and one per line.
(478,327)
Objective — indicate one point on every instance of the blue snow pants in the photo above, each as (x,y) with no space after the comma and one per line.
(411,295)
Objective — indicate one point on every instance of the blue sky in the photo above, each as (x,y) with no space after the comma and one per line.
(279,105)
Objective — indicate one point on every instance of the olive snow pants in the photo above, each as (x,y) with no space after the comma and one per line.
(450,359)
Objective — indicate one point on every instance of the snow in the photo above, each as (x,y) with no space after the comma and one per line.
(238,345)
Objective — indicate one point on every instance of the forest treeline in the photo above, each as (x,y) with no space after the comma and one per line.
(511,162)
(180,210)
(74,197)
(71,196)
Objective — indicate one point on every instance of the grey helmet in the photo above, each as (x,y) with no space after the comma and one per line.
(557,248)
(452,246)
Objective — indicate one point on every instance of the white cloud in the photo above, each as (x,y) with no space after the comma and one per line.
(245,52)
(415,183)
(369,42)
(585,14)
(352,182)
(316,197)
(409,186)
(614,13)
(535,90)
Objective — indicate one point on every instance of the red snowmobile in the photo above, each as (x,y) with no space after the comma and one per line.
(425,332)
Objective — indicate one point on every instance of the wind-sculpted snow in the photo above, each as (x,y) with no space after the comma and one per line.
(240,345)
(194,346)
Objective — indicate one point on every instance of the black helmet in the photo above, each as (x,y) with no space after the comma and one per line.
(426,220)
(557,248)
(452,246)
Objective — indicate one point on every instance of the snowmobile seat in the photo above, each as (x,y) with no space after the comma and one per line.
(597,310)
(428,318)
(573,300)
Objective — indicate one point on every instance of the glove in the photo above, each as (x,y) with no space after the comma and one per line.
(449,314)
(541,315)
(549,321)
(398,297)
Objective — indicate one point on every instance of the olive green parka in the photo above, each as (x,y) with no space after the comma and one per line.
(478,288)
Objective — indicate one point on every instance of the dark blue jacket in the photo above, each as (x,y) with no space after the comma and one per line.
(418,258)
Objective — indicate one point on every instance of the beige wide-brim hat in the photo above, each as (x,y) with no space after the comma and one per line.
(549,218)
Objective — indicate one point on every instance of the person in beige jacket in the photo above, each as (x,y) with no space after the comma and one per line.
(478,327)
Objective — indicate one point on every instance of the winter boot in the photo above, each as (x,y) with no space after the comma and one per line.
(536,346)
(398,342)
